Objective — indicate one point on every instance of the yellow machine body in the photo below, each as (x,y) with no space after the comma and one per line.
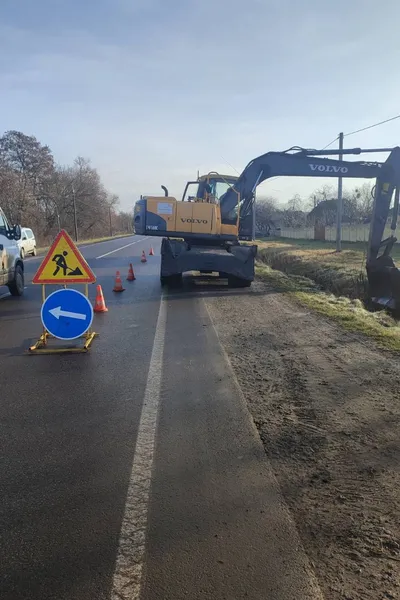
(195,217)
(185,217)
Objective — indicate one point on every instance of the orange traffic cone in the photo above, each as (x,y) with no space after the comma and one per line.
(118,283)
(143,259)
(151,253)
(131,274)
(100,305)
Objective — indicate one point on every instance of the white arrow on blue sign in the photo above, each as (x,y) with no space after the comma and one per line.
(67,314)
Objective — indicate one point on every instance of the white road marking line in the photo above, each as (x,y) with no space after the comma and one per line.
(128,574)
(116,250)
(126,237)
(104,242)
(41,256)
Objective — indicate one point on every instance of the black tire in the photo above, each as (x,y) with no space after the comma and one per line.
(22,253)
(18,284)
(171,280)
(236,282)
(34,251)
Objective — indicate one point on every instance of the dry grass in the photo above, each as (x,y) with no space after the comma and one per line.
(349,312)
(342,273)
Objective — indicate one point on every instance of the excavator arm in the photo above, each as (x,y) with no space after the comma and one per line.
(307,163)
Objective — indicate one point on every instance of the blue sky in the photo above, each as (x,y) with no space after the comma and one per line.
(153,90)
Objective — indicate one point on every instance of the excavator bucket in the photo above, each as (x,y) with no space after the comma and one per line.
(384,282)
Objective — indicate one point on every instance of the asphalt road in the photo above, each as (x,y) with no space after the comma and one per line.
(135,471)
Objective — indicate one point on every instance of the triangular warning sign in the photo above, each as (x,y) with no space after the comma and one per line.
(64,264)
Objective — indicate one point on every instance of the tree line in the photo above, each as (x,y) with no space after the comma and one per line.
(38,193)
(319,208)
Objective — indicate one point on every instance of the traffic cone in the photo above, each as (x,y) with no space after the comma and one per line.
(143,259)
(100,305)
(131,274)
(118,283)
(151,253)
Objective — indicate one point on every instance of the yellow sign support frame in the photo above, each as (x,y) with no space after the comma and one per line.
(41,346)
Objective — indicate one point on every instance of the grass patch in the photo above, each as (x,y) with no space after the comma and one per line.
(342,273)
(350,313)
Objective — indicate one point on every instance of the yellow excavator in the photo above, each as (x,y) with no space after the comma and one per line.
(195,236)
(209,230)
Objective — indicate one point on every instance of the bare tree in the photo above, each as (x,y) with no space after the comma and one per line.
(295,203)
(36,192)
(266,211)
(326,192)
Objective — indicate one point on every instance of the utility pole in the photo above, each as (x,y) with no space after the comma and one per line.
(339,212)
(109,214)
(57,213)
(253,224)
(58,219)
(75,217)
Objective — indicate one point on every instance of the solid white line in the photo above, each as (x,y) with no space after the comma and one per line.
(128,574)
(41,256)
(105,241)
(116,250)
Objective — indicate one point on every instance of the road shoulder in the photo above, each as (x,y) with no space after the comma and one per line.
(326,405)
(218,526)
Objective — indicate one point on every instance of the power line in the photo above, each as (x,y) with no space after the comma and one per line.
(330,143)
(371,126)
(362,129)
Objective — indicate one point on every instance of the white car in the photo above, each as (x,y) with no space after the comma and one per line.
(11,264)
(27,243)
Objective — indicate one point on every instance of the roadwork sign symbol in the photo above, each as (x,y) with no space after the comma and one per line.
(64,264)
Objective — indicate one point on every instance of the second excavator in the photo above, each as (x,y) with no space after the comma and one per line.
(209,231)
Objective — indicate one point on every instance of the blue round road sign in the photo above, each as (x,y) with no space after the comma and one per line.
(67,314)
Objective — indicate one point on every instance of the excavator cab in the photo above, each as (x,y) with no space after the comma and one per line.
(210,188)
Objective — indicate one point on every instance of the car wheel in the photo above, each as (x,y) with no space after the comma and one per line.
(22,253)
(34,252)
(238,282)
(172,281)
(18,285)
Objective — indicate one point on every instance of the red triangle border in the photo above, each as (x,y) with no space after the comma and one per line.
(82,262)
